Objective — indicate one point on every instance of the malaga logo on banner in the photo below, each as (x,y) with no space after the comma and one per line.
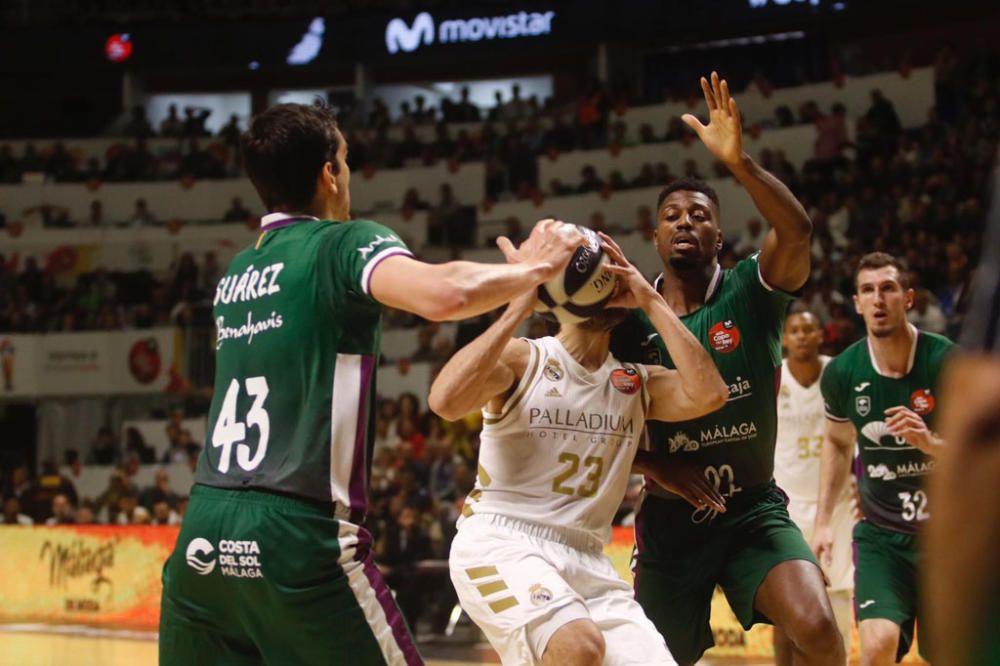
(402,37)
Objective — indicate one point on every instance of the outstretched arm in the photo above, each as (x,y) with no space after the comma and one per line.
(462,289)
(695,388)
(785,257)
(835,465)
(486,368)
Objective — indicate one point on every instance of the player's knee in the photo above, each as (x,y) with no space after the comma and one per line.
(878,648)
(579,643)
(817,634)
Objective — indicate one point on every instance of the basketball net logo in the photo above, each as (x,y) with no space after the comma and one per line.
(401,37)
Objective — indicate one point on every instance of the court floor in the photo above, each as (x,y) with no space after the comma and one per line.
(56,646)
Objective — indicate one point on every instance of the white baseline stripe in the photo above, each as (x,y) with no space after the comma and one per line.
(344,425)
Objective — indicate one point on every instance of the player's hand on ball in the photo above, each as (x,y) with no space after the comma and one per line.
(688,481)
(549,248)
(633,289)
(723,135)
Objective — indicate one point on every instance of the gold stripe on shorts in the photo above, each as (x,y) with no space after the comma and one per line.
(481,572)
(489,588)
(502,604)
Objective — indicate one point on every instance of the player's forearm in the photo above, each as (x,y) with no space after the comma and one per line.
(468,289)
(700,378)
(835,464)
(774,200)
(459,387)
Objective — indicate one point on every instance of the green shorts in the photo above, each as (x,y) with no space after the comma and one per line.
(679,562)
(885,581)
(259,578)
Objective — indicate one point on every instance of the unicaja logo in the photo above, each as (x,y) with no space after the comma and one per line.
(402,37)
(200,548)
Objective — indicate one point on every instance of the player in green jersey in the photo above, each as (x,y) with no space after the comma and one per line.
(753,551)
(880,396)
(272,564)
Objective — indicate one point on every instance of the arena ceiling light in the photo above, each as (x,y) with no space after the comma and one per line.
(118,47)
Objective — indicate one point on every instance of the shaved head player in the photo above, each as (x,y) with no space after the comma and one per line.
(753,551)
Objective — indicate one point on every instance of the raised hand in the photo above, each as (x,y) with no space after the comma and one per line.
(633,289)
(723,135)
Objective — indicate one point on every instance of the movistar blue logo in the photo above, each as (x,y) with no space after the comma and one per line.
(402,37)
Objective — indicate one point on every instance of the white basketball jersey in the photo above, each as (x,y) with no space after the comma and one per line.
(560,451)
(801,424)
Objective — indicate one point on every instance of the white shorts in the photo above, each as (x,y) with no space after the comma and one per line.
(840,573)
(520,582)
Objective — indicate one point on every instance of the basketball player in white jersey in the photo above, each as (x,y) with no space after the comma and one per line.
(562,422)
(801,425)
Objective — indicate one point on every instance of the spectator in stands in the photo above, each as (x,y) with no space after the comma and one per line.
(176,449)
(237,212)
(85,513)
(138,125)
(413,202)
(62,511)
(831,134)
(230,132)
(162,514)
(194,121)
(589,181)
(925,314)
(211,273)
(439,221)
(12,512)
(882,116)
(103,451)
(644,222)
(172,126)
(107,501)
(142,216)
(129,511)
(405,543)
(466,111)
(159,492)
(37,499)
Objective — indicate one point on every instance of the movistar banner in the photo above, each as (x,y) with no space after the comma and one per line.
(424,30)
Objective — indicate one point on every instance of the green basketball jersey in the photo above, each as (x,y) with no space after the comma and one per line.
(890,472)
(741,326)
(297,346)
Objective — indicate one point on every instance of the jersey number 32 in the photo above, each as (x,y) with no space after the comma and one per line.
(230,430)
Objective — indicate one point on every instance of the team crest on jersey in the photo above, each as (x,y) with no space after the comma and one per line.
(922,401)
(626,380)
(682,441)
(863,404)
(540,595)
(552,370)
(724,336)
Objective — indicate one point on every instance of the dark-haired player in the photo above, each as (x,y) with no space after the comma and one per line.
(880,395)
(753,551)
(272,564)
(562,421)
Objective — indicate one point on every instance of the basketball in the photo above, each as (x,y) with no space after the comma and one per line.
(584,287)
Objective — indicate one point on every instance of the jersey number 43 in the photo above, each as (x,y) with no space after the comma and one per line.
(229,429)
